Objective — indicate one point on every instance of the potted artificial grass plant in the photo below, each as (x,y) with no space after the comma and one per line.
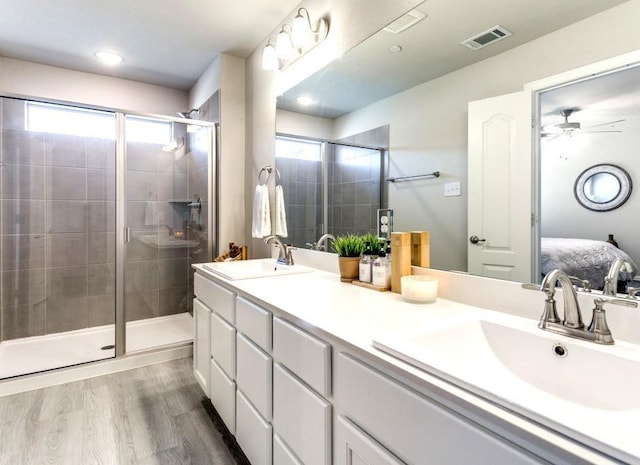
(349,247)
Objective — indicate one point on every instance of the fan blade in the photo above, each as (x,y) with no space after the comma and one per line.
(608,123)
(597,132)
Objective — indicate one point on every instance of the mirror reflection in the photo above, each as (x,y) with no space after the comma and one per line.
(422,94)
(601,187)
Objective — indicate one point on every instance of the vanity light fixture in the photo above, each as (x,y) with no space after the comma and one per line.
(293,41)
(269,57)
(108,58)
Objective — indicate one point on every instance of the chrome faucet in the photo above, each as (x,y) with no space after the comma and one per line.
(323,242)
(572,325)
(284,253)
(611,281)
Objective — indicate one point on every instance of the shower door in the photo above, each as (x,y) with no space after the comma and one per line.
(57,230)
(168,165)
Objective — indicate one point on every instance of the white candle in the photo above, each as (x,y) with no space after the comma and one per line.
(419,288)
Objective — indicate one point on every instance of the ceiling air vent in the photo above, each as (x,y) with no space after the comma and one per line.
(487,37)
(405,21)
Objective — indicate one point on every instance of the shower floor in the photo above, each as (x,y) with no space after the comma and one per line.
(40,353)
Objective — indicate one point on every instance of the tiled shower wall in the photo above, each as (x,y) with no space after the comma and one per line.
(57,231)
(354,189)
(302,185)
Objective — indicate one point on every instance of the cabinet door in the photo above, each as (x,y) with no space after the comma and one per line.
(223,344)
(253,433)
(301,418)
(223,396)
(254,375)
(282,455)
(354,447)
(201,344)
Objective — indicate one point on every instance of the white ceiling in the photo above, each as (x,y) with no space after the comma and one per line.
(431,48)
(164,42)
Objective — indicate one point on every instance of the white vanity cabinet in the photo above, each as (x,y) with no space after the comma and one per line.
(201,344)
(408,425)
(254,378)
(301,379)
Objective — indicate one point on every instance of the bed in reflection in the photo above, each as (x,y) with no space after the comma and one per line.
(585,259)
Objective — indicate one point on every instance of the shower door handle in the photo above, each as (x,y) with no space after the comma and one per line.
(126,235)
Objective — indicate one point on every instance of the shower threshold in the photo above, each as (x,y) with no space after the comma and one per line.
(40,353)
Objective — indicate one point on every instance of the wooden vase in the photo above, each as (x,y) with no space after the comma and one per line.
(349,268)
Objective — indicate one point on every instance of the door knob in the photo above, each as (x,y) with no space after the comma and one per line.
(476,239)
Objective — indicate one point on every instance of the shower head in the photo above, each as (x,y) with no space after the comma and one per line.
(187,114)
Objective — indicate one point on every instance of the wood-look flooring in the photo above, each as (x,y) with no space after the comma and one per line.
(146,416)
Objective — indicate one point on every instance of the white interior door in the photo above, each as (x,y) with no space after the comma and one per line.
(500,178)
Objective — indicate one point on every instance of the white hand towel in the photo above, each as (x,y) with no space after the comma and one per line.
(281,214)
(151,214)
(261,224)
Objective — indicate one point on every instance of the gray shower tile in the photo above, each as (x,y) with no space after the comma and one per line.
(23,287)
(66,283)
(24,251)
(67,249)
(173,300)
(22,147)
(101,279)
(13,113)
(348,219)
(172,186)
(362,218)
(348,194)
(20,321)
(101,216)
(101,153)
(65,183)
(363,193)
(23,217)
(142,185)
(141,305)
(66,216)
(142,156)
(198,184)
(23,182)
(67,315)
(141,276)
(65,150)
(140,251)
(101,247)
(101,184)
(101,310)
(173,273)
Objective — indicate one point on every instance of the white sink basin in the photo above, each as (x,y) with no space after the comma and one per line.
(513,363)
(260,268)
(590,394)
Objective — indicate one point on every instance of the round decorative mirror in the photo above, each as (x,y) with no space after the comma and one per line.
(603,187)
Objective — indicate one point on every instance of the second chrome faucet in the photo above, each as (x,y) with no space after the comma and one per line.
(572,325)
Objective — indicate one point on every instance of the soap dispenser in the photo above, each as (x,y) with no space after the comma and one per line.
(381,270)
(365,265)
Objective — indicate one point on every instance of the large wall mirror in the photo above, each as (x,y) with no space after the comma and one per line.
(418,82)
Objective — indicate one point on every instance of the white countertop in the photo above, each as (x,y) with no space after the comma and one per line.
(353,315)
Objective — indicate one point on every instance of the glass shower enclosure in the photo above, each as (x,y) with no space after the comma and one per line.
(101,216)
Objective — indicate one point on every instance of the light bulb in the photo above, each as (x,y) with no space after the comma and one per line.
(284,47)
(269,58)
(301,34)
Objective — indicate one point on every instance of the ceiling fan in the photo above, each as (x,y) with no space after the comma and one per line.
(568,128)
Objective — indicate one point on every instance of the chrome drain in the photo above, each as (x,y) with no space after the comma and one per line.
(560,350)
(108,347)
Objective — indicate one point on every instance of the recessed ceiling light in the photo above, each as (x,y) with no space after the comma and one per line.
(305,100)
(109,58)
(395,49)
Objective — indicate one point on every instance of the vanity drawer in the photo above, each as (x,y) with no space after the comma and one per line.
(216,297)
(282,455)
(412,427)
(303,354)
(301,418)
(223,396)
(253,433)
(254,322)
(354,447)
(223,344)
(254,375)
